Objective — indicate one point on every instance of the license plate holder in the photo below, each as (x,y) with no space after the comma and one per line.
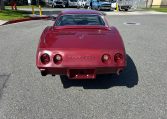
(81,73)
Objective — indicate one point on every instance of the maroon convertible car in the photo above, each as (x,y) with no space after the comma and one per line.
(80,45)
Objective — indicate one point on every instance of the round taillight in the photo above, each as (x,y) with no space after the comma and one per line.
(118,58)
(57,58)
(45,59)
(105,58)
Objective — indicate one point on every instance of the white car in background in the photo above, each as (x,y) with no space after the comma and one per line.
(113,4)
(122,4)
(80,4)
(55,3)
(83,4)
(72,3)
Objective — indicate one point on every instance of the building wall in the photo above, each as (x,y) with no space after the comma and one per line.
(159,3)
(156,2)
(164,2)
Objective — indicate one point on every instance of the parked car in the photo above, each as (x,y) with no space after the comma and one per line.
(80,45)
(83,4)
(124,5)
(72,3)
(56,3)
(113,4)
(87,4)
(101,4)
(80,4)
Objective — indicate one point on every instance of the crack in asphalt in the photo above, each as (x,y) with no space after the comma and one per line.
(3,80)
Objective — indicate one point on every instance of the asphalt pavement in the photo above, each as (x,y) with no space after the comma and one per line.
(139,93)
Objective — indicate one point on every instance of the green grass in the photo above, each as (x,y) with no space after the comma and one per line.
(12,14)
(158,9)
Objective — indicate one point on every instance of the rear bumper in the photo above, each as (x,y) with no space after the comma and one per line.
(72,4)
(105,8)
(126,7)
(75,72)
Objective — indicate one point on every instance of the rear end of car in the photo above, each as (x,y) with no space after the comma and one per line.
(59,3)
(101,4)
(125,4)
(81,63)
(81,46)
(72,3)
(87,3)
(105,6)
(81,53)
(113,4)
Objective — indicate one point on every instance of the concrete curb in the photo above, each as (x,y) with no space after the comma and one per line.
(2,22)
(35,17)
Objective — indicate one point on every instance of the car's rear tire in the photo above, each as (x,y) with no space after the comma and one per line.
(43,73)
(53,6)
(126,9)
(98,8)
(66,5)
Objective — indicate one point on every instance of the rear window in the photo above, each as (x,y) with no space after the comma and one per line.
(79,19)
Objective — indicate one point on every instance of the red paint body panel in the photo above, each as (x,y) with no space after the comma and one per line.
(81,48)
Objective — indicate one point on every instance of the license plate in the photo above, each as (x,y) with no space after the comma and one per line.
(82,73)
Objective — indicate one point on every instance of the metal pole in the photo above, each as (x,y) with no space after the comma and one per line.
(33,9)
(117,7)
(40,10)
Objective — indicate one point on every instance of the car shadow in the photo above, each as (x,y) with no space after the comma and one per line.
(128,78)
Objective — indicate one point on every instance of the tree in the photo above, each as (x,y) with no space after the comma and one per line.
(2,7)
(146,3)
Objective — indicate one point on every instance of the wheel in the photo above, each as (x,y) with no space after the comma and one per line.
(67,5)
(126,9)
(98,8)
(53,6)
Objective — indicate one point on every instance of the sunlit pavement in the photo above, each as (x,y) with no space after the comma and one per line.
(140,92)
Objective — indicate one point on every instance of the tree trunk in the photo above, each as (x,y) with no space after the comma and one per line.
(146,3)
(149,3)
(2,7)
(152,2)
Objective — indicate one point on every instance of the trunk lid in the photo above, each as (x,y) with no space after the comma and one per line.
(84,37)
